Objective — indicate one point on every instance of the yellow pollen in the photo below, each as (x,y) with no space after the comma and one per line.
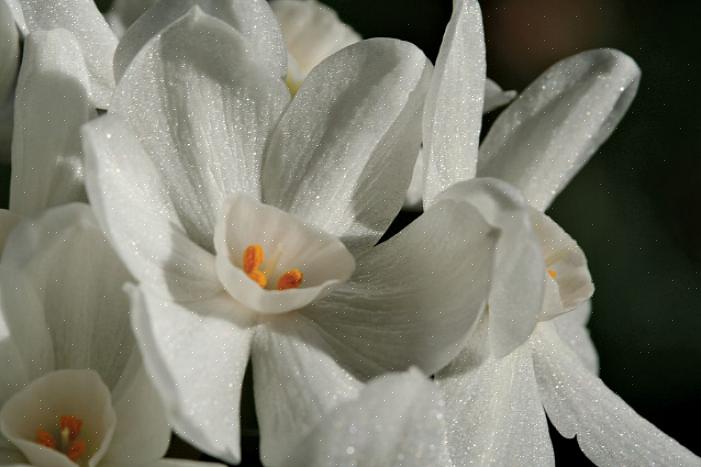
(292,279)
(253,257)
(70,444)
(552,273)
(46,439)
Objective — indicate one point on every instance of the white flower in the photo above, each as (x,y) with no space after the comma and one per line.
(517,367)
(123,13)
(220,189)
(72,387)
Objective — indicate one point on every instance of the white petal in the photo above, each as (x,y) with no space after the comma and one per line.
(9,52)
(572,328)
(552,129)
(296,382)
(142,433)
(202,106)
(134,207)
(123,13)
(26,350)
(253,20)
(494,414)
(287,243)
(414,298)
(495,97)
(453,113)
(396,420)
(86,310)
(97,42)
(80,393)
(8,221)
(516,295)
(52,103)
(415,192)
(578,403)
(342,155)
(197,357)
(312,32)
(568,282)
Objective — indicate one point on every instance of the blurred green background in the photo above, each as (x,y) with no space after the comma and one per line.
(635,209)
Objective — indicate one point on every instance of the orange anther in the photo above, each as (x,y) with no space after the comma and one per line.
(46,439)
(253,257)
(76,450)
(292,279)
(258,277)
(552,273)
(73,424)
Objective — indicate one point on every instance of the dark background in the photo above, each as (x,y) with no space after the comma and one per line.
(634,209)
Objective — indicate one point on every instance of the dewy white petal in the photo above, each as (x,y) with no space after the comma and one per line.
(453,113)
(288,244)
(312,32)
(82,18)
(8,221)
(296,381)
(341,156)
(252,19)
(52,103)
(578,403)
(494,414)
(414,298)
(134,207)
(123,13)
(9,53)
(202,106)
(551,130)
(495,97)
(86,310)
(568,282)
(396,420)
(197,355)
(80,393)
(516,295)
(572,329)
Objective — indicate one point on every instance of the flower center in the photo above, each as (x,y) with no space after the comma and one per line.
(69,443)
(253,259)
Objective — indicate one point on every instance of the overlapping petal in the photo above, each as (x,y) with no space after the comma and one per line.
(551,130)
(9,53)
(341,156)
(202,107)
(572,329)
(495,96)
(453,113)
(413,298)
(52,103)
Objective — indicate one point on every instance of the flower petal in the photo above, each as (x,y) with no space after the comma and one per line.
(342,155)
(312,32)
(9,53)
(82,18)
(197,357)
(123,13)
(134,207)
(202,109)
(414,298)
(572,328)
(494,415)
(142,433)
(578,403)
(516,295)
(396,420)
(552,129)
(8,221)
(495,97)
(52,103)
(296,382)
(252,19)
(453,113)
(87,313)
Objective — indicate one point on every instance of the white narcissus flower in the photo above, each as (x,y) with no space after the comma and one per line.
(517,367)
(238,210)
(73,390)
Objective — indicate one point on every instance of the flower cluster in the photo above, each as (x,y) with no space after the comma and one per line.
(201,184)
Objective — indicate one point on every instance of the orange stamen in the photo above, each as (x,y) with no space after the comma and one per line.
(552,273)
(253,257)
(292,279)
(46,439)
(76,450)
(258,277)
(73,424)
